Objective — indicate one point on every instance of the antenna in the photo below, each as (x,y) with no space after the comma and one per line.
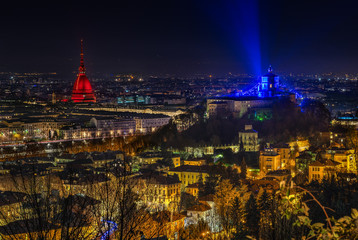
(82,64)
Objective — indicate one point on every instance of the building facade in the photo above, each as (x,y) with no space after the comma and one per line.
(270,160)
(248,139)
(189,174)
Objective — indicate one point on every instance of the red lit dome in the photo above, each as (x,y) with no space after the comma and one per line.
(82,89)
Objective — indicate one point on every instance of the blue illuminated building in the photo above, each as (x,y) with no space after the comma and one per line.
(269,85)
(257,101)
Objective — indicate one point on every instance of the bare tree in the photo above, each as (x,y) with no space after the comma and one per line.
(120,209)
(43,211)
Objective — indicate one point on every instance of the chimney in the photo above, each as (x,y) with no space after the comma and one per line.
(248,127)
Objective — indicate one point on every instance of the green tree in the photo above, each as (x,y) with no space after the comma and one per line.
(238,219)
(263,200)
(210,184)
(265,226)
(253,216)
(243,168)
(201,186)
(230,202)
(241,148)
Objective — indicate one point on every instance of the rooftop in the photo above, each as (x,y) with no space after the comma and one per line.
(155,178)
(199,208)
(193,185)
(191,168)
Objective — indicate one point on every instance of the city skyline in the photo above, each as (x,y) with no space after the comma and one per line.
(174,120)
(181,38)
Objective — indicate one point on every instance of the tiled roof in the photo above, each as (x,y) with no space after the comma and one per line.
(330,162)
(199,208)
(190,168)
(165,216)
(317,164)
(207,198)
(280,172)
(159,179)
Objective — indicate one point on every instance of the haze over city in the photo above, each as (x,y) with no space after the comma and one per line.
(179,37)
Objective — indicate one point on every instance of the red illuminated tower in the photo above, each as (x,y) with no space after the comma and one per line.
(82,91)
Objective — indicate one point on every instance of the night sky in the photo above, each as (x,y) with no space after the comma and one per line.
(181,37)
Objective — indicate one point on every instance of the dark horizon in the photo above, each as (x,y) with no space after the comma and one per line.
(181,38)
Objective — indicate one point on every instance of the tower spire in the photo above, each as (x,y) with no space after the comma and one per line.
(82,64)
(82,90)
(270,69)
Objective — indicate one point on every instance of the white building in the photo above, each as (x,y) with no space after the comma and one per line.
(151,123)
(107,127)
(205,210)
(249,139)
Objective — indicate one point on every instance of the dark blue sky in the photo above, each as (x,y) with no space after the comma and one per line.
(181,37)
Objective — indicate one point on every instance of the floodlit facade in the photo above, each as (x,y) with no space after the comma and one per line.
(158,192)
(82,90)
(270,160)
(249,139)
(269,84)
(320,170)
(189,174)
